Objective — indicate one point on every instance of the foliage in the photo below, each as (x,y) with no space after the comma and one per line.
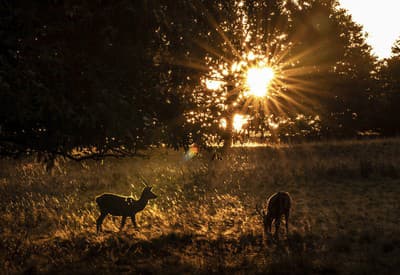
(385,114)
(81,76)
(92,79)
(323,64)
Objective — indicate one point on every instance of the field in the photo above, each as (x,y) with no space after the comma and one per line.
(345,216)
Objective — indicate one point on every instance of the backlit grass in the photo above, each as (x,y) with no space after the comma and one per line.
(344,219)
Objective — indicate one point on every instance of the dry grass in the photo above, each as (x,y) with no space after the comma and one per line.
(344,220)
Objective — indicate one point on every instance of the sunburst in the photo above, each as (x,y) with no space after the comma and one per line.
(265,76)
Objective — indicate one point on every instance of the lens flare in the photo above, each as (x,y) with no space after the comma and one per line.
(191,152)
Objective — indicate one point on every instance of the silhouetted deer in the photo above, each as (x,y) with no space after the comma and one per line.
(278,204)
(117,205)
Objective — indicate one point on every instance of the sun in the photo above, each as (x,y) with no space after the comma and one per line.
(258,80)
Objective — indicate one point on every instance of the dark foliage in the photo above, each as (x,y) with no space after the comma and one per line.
(81,75)
(95,78)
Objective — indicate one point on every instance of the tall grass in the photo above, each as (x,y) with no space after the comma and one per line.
(344,218)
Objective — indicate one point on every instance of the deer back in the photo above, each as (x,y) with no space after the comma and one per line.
(279,204)
(115,204)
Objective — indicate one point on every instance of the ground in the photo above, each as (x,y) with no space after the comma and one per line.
(344,220)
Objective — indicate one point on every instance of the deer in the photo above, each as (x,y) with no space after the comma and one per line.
(277,205)
(124,206)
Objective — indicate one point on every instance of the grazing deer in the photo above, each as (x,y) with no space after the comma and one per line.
(117,205)
(278,204)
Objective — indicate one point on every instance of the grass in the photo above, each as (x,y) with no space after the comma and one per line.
(344,219)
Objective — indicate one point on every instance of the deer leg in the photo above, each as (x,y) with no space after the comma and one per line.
(266,231)
(287,222)
(100,220)
(133,218)
(277,224)
(122,223)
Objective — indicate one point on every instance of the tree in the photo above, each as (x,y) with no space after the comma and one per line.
(386,103)
(82,76)
(112,78)
(322,63)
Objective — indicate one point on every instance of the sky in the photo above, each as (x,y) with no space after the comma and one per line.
(381,20)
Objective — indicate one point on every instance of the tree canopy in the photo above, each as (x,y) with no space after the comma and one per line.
(96,78)
(323,69)
(81,76)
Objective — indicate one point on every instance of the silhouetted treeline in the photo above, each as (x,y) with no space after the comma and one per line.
(112,77)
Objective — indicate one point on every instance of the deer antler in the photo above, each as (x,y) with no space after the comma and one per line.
(260,212)
(143,180)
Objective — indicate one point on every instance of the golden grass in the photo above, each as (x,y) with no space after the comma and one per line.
(344,219)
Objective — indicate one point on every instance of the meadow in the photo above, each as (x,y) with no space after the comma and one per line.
(344,220)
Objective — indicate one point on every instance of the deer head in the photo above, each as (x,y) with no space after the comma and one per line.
(265,218)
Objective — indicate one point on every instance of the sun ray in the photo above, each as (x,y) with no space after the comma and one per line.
(263,75)
(217,27)
(188,64)
(302,55)
(211,50)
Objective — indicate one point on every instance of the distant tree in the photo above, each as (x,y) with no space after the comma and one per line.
(387,101)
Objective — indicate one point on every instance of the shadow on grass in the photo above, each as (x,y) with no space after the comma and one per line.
(352,253)
(170,254)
